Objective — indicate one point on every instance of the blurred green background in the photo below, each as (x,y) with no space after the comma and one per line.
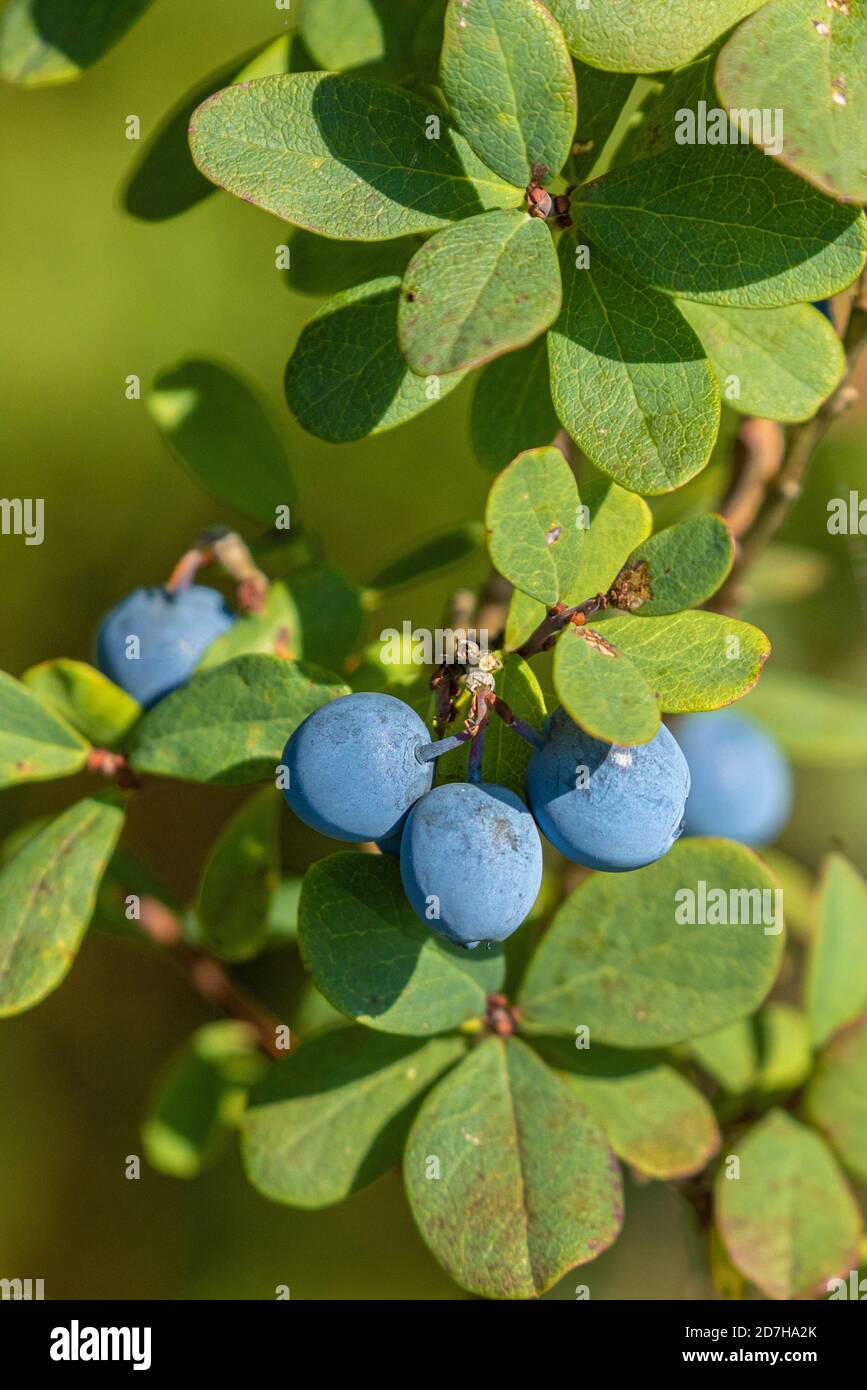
(90,296)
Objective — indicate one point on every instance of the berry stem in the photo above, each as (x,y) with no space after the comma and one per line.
(477,748)
(520,726)
(426,752)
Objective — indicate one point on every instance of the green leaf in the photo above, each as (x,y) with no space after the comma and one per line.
(333,1117)
(601,99)
(509,83)
(685,564)
(274,630)
(320,266)
(525,1187)
(729,1055)
(48,41)
(612,522)
(375,35)
(652,1117)
(798,891)
(329,613)
(476,290)
(629,378)
(530,516)
(785,1060)
(603,691)
(512,409)
(789,1222)
(645,35)
(239,878)
(427,558)
(200,1099)
(348,378)
(342,156)
(228,726)
(812,64)
(723,224)
(49,893)
(282,923)
(505,754)
(836,1099)
(780,364)
(84,697)
(36,745)
(836,983)
(622,956)
(375,961)
(164,180)
(223,435)
(817,722)
(693,660)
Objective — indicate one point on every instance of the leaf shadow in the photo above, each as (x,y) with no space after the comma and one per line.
(83,30)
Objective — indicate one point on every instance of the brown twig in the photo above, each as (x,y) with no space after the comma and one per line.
(208,977)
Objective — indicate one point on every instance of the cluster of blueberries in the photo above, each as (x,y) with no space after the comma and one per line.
(361,769)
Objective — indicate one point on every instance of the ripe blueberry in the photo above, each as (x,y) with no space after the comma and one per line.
(606,806)
(741,782)
(353,770)
(471,862)
(174,629)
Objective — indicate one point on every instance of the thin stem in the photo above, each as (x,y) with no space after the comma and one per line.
(427,752)
(556,619)
(520,726)
(477,749)
(208,977)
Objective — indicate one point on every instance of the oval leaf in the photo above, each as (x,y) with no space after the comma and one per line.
(652,1117)
(780,364)
(677,568)
(623,956)
(47,41)
(223,436)
(836,1099)
(347,377)
(200,1099)
(512,409)
(508,79)
(530,516)
(629,378)
(92,703)
(693,660)
(230,724)
(645,35)
(239,879)
(36,745)
(427,558)
(48,890)
(372,34)
(335,1115)
(479,289)
(374,960)
(519,1156)
(789,1222)
(836,983)
(603,691)
(723,224)
(342,156)
(812,65)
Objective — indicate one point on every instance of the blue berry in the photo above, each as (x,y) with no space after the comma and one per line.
(353,770)
(173,629)
(606,806)
(741,781)
(471,862)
